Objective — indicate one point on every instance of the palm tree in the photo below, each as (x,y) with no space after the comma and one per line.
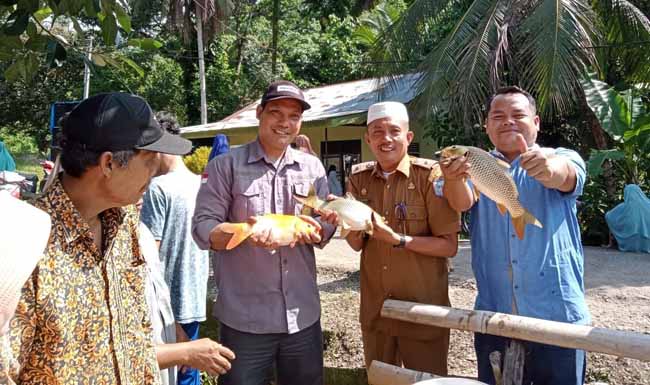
(545,46)
(209,13)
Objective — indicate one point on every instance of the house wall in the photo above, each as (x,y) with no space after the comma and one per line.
(317,135)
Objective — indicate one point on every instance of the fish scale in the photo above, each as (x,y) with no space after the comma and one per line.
(491,177)
(492,181)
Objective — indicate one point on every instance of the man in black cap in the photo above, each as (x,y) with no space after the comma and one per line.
(82,316)
(268,304)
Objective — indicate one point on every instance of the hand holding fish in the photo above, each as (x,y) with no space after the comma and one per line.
(328,216)
(382,232)
(305,237)
(456,168)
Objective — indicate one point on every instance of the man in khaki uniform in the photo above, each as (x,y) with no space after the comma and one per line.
(406,257)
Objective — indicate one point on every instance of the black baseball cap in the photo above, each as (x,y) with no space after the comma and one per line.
(118,121)
(284,89)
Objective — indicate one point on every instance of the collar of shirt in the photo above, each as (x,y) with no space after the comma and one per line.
(404,167)
(75,227)
(256,153)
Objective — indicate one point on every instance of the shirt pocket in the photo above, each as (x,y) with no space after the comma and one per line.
(416,220)
(248,201)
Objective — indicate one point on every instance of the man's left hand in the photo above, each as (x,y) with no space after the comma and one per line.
(382,232)
(309,238)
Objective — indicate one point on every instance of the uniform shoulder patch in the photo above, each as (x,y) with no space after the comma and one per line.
(365,166)
(422,162)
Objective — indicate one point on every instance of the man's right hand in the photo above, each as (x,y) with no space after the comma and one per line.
(329,216)
(209,356)
(454,169)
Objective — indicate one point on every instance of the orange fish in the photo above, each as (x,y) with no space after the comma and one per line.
(284,229)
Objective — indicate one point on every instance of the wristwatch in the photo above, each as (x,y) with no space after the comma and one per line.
(402,242)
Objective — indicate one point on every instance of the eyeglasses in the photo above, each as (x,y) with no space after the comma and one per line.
(400,215)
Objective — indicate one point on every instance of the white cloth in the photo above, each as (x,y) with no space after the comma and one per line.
(395,110)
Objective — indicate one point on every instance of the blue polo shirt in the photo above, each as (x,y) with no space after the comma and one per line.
(540,276)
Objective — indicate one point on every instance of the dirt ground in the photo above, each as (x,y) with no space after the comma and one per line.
(618,294)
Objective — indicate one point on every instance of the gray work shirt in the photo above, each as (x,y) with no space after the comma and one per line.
(261,291)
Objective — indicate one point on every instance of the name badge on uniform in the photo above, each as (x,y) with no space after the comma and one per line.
(204,178)
(411,186)
(364,191)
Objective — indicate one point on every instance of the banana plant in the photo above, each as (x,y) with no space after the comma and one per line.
(626,119)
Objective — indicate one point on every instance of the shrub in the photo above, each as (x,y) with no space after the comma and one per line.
(17,141)
(197,161)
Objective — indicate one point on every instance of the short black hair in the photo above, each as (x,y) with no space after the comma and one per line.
(511,90)
(168,122)
(331,168)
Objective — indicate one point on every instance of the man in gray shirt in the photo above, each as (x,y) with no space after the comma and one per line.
(167,211)
(268,302)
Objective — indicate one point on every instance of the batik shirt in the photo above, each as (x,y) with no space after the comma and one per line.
(82,316)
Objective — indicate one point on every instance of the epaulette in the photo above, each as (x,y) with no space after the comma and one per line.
(422,162)
(365,166)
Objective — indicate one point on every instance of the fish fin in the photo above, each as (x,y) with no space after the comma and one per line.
(345,232)
(239,231)
(306,210)
(348,195)
(502,209)
(503,163)
(436,173)
(369,227)
(345,225)
(520,223)
(311,200)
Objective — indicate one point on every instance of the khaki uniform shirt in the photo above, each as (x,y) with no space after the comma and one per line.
(407,201)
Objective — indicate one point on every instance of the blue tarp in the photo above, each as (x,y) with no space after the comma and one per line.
(629,221)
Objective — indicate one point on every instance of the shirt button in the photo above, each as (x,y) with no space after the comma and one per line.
(512,235)
(386,213)
(385,267)
(387,187)
(516,286)
(284,261)
(514,261)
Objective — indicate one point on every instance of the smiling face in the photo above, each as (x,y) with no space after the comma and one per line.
(280,122)
(388,140)
(509,115)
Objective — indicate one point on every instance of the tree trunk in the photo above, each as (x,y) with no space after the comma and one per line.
(274,24)
(600,138)
(199,43)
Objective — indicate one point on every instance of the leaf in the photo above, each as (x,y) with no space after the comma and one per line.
(608,106)
(99,59)
(109,29)
(598,157)
(36,43)
(132,64)
(147,44)
(91,8)
(554,38)
(31,30)
(12,74)
(42,13)
(16,22)
(123,19)
(77,27)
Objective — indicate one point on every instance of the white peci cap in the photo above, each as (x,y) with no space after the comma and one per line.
(395,110)
(24,232)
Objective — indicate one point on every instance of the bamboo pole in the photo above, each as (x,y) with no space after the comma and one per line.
(381,373)
(601,340)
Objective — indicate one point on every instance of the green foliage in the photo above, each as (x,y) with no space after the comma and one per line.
(626,119)
(197,161)
(17,141)
(30,35)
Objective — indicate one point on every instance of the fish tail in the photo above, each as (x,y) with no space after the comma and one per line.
(520,222)
(239,231)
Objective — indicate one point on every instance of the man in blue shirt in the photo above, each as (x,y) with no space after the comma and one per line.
(541,275)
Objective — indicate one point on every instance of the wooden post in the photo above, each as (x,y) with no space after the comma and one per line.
(601,340)
(381,373)
(513,363)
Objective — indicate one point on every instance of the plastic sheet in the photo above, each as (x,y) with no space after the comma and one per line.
(629,221)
